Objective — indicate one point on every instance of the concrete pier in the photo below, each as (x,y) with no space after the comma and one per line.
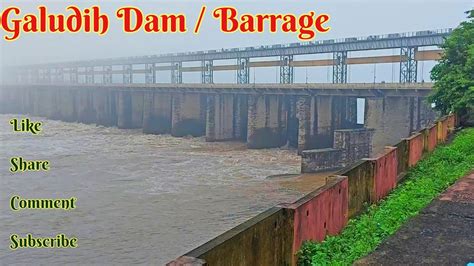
(303,109)
(67,109)
(124,109)
(240,116)
(392,118)
(220,117)
(157,113)
(265,122)
(137,108)
(188,115)
(105,107)
(84,106)
(263,118)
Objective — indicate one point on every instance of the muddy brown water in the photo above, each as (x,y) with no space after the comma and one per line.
(142,199)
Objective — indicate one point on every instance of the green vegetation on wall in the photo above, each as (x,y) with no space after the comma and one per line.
(430,177)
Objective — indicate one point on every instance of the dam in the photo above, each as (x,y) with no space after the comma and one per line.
(214,141)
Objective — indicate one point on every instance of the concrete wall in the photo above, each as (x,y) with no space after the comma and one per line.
(320,213)
(265,239)
(157,113)
(274,236)
(188,115)
(84,106)
(430,135)
(67,109)
(124,109)
(266,127)
(395,117)
(349,146)
(220,117)
(385,172)
(360,177)
(104,104)
(416,148)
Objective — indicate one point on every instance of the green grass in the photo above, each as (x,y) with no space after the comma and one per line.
(429,178)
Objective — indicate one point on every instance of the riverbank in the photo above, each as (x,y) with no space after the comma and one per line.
(442,233)
(424,182)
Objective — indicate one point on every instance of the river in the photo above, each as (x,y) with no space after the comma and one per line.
(142,199)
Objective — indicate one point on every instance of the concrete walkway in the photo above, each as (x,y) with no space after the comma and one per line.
(442,234)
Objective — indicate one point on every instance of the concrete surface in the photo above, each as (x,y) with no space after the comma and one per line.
(442,234)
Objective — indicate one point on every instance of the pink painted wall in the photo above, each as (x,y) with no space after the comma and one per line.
(385,172)
(324,212)
(415,149)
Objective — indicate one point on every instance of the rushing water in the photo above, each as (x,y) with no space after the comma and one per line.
(142,199)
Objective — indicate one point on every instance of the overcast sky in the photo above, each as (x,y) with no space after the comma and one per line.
(348,18)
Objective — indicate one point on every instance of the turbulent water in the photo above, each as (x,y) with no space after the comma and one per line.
(142,199)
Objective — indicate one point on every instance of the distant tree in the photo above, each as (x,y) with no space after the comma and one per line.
(453,76)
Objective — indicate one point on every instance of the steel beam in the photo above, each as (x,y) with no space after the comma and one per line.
(243,71)
(177,72)
(286,69)
(127,74)
(107,74)
(207,72)
(150,73)
(339,68)
(408,65)
(388,41)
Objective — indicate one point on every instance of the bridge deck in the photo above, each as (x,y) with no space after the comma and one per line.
(348,89)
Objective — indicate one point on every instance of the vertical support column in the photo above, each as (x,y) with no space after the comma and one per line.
(240,116)
(124,109)
(324,126)
(107,74)
(374,119)
(176,73)
(211,118)
(416,116)
(303,109)
(264,129)
(89,75)
(243,71)
(148,106)
(220,117)
(188,115)
(127,74)
(137,108)
(85,107)
(150,73)
(67,105)
(286,69)
(104,106)
(156,112)
(351,112)
(207,75)
(391,119)
(339,67)
(408,65)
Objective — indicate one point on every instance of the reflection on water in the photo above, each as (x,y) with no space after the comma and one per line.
(141,198)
